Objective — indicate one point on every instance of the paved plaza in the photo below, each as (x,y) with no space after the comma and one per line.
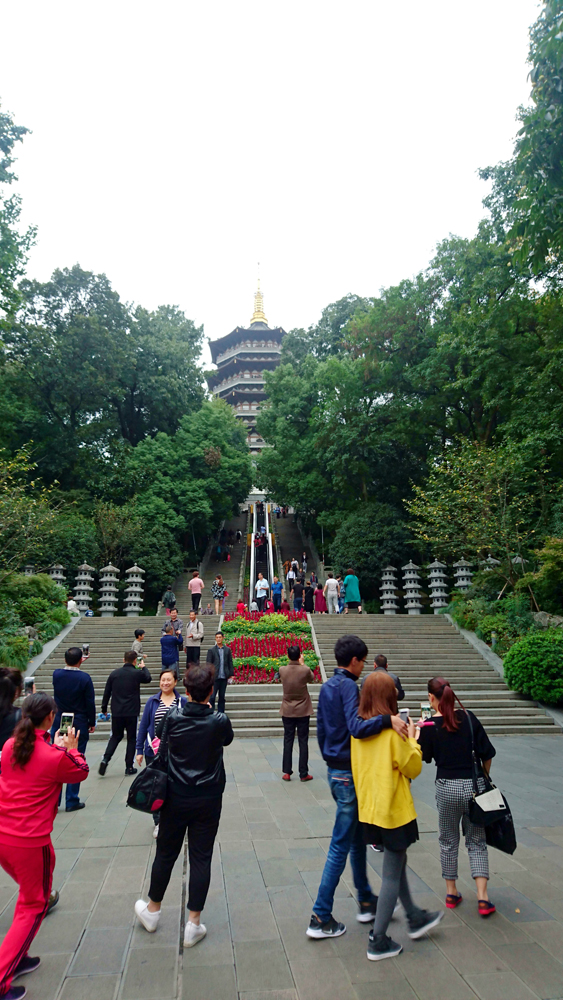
(268,860)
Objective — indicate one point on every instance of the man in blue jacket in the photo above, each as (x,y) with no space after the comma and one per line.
(337,721)
(74,692)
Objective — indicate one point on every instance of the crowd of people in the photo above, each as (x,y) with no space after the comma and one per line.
(338,595)
(372,753)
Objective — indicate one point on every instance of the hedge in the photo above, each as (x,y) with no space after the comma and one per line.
(534,666)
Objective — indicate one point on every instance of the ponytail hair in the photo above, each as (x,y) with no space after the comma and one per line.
(35,710)
(10,686)
(447,699)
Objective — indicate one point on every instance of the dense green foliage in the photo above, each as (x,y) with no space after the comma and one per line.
(34,601)
(505,620)
(526,196)
(534,666)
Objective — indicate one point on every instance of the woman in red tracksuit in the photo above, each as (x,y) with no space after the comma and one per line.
(33,773)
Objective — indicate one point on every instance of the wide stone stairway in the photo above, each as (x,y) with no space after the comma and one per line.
(291,541)
(109,639)
(230,572)
(425,646)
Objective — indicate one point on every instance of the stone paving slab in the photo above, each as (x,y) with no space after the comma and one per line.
(268,858)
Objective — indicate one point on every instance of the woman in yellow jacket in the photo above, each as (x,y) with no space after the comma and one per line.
(383,767)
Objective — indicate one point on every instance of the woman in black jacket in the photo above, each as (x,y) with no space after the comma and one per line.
(191,747)
(447,740)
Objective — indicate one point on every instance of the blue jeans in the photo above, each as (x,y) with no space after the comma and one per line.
(80,723)
(341,603)
(346,840)
(297,603)
(277,602)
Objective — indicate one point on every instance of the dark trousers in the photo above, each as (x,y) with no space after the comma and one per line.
(289,727)
(261,602)
(119,724)
(200,819)
(219,687)
(80,725)
(192,655)
(277,602)
(297,603)
(196,598)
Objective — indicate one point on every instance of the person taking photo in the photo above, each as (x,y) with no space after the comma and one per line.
(33,773)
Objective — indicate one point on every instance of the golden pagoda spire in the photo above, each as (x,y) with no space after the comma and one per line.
(258,315)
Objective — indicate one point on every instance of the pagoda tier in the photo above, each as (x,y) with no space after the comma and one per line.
(257,337)
(243,368)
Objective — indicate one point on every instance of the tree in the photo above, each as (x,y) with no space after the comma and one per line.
(479,501)
(26,513)
(527,191)
(368,539)
(89,372)
(14,245)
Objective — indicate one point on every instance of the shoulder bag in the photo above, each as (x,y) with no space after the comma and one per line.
(147,793)
(490,808)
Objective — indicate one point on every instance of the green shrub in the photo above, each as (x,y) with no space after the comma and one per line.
(31,609)
(534,666)
(14,651)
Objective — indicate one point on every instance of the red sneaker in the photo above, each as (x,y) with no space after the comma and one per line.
(486,908)
(308,777)
(453,901)
(286,777)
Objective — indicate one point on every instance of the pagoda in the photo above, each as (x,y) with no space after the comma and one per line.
(242,357)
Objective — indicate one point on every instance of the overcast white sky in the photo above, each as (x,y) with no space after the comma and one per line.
(176,143)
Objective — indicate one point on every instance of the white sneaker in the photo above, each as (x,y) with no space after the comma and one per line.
(193,934)
(149,920)
(155,832)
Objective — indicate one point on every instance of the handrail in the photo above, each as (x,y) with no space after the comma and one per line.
(253,556)
(271,572)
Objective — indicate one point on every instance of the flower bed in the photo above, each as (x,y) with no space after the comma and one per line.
(260,624)
(258,675)
(270,645)
(259,645)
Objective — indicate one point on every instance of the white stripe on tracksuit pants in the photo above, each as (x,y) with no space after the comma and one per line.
(453,796)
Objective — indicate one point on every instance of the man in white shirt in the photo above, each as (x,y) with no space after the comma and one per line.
(262,588)
(194,639)
(290,578)
(332,592)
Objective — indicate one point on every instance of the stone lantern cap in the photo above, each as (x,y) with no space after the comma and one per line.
(57,566)
(463,564)
(109,569)
(134,569)
(86,567)
(437,565)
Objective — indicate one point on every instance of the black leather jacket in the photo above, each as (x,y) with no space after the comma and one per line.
(192,744)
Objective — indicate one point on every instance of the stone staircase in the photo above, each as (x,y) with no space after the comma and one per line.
(417,647)
(109,639)
(425,646)
(229,571)
(291,541)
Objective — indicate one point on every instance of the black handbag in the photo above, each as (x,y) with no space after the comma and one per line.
(498,823)
(147,793)
(501,834)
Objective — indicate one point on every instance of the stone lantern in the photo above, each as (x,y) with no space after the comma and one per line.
(109,577)
(462,575)
(489,563)
(412,588)
(134,591)
(83,586)
(56,573)
(389,600)
(29,570)
(437,585)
